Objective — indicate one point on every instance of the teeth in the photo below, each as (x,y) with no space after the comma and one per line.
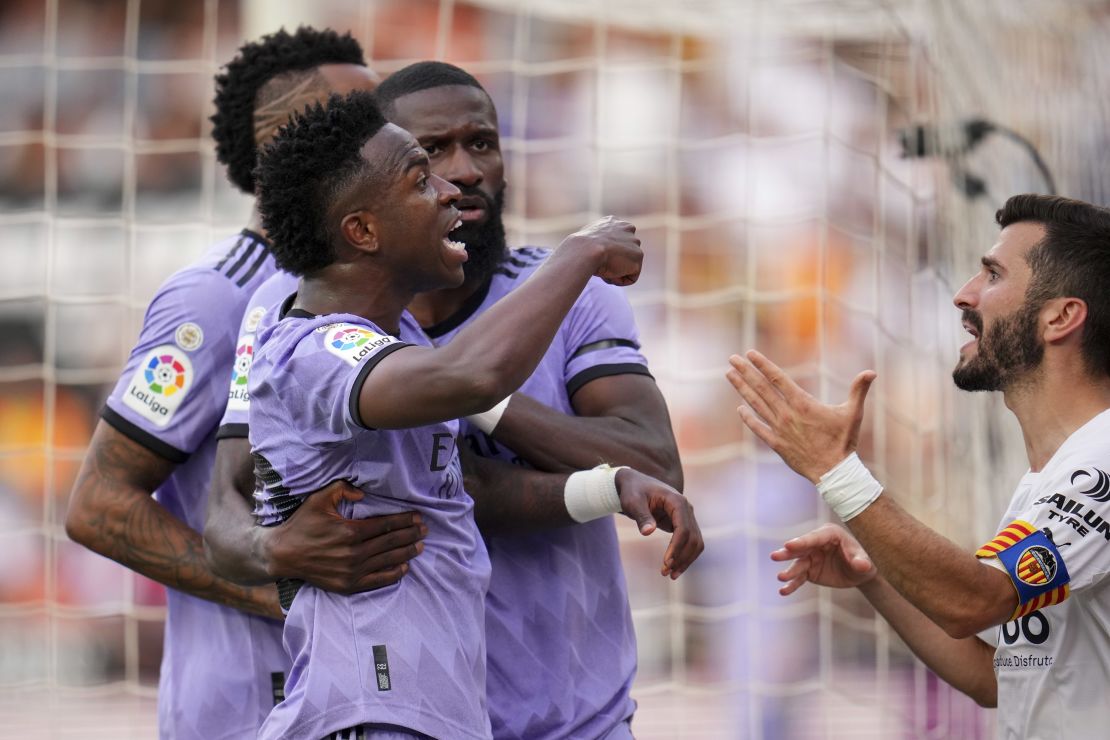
(457,246)
(458,223)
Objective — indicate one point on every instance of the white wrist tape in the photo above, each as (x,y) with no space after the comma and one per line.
(849,487)
(592,494)
(487,420)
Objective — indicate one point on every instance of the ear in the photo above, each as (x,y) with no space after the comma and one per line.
(360,230)
(1064,317)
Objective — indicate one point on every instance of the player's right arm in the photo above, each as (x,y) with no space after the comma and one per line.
(830,556)
(112,512)
(964,597)
(496,353)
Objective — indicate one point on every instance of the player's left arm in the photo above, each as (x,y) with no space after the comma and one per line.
(512,499)
(621,420)
(957,591)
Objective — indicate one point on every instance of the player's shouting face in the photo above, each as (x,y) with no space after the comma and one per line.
(407,213)
(1003,320)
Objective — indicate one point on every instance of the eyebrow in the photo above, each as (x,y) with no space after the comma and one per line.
(992,262)
(417,157)
(477,129)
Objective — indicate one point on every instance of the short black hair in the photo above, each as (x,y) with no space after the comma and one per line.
(422,76)
(1072,260)
(256,64)
(309,164)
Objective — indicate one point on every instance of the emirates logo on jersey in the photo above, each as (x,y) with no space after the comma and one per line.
(1100,484)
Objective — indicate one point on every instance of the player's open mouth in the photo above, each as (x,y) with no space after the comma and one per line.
(451,244)
(971,329)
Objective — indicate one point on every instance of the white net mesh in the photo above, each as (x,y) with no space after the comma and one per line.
(754,143)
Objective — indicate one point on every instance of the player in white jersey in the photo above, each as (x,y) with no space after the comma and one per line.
(1039,315)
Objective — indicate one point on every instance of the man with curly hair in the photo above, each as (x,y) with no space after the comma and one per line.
(223,662)
(345,385)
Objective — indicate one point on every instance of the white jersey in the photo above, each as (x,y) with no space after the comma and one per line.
(1053,661)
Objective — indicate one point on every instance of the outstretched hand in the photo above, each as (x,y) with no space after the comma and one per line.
(827,556)
(317,544)
(653,505)
(811,437)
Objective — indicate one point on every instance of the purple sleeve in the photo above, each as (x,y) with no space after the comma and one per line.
(601,337)
(173,388)
(318,385)
(261,312)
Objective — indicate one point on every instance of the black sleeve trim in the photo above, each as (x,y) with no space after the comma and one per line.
(603,371)
(367,366)
(604,344)
(233,431)
(143,437)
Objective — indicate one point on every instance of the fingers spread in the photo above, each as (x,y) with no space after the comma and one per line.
(750,395)
(775,374)
(758,427)
(754,378)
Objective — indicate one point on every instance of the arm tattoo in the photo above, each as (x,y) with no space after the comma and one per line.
(124,523)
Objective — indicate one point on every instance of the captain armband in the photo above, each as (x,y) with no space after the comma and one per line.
(1033,563)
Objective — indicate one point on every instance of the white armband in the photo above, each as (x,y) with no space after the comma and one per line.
(487,420)
(849,487)
(592,494)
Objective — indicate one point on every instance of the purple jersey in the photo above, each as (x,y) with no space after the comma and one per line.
(222,669)
(257,316)
(411,655)
(562,652)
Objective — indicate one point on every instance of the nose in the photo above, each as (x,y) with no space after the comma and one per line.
(446,192)
(968,295)
(461,169)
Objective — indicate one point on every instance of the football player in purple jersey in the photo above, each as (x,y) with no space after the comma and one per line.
(157,432)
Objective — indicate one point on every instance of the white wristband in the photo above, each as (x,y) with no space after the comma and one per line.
(592,494)
(849,487)
(487,420)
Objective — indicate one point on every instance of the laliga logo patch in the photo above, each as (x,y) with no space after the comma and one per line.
(238,397)
(189,336)
(1036,566)
(353,343)
(350,337)
(244,355)
(1100,488)
(160,382)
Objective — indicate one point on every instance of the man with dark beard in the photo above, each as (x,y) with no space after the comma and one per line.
(561,647)
(1039,315)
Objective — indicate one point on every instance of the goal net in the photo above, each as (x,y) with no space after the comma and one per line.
(807,177)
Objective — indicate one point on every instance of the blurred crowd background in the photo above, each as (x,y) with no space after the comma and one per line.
(758,145)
